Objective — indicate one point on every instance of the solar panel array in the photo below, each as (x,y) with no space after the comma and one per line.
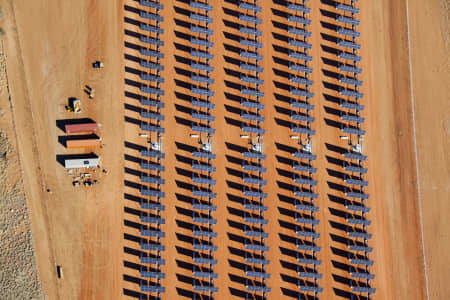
(253,206)
(151,159)
(357,212)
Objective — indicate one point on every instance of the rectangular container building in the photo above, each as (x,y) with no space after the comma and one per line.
(83,143)
(81,163)
(81,128)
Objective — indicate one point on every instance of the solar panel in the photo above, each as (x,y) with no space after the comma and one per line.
(200,167)
(357,182)
(201,18)
(199,5)
(307,221)
(351,105)
(256,247)
(150,65)
(250,19)
(302,118)
(350,81)
(157,233)
(357,195)
(208,234)
(204,207)
(258,288)
(356,169)
(314,235)
(200,42)
(153,153)
(258,234)
(300,68)
(301,80)
(255,194)
(251,104)
(152,53)
(361,248)
(202,54)
(202,79)
(302,105)
(305,168)
(247,30)
(203,104)
(152,220)
(252,117)
(353,131)
(308,248)
(203,180)
(204,194)
(257,274)
(152,289)
(154,91)
(203,155)
(253,130)
(202,67)
(303,130)
(151,28)
(150,115)
(253,68)
(304,155)
(359,221)
(315,289)
(203,129)
(251,180)
(150,16)
(298,7)
(302,44)
(344,55)
(151,4)
(360,289)
(347,8)
(305,181)
(152,41)
(348,32)
(350,93)
(149,166)
(250,43)
(256,221)
(248,6)
(362,235)
(200,91)
(155,193)
(347,20)
(255,207)
(364,262)
(307,207)
(306,194)
(257,261)
(250,92)
(200,116)
(151,246)
(303,93)
(351,118)
(254,155)
(210,289)
(348,44)
(351,69)
(310,275)
(204,220)
(254,168)
(362,275)
(202,30)
(149,77)
(208,261)
(156,180)
(300,20)
(297,55)
(309,261)
(205,274)
(205,247)
(153,206)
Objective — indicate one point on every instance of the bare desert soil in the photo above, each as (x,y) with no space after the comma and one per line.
(93,232)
